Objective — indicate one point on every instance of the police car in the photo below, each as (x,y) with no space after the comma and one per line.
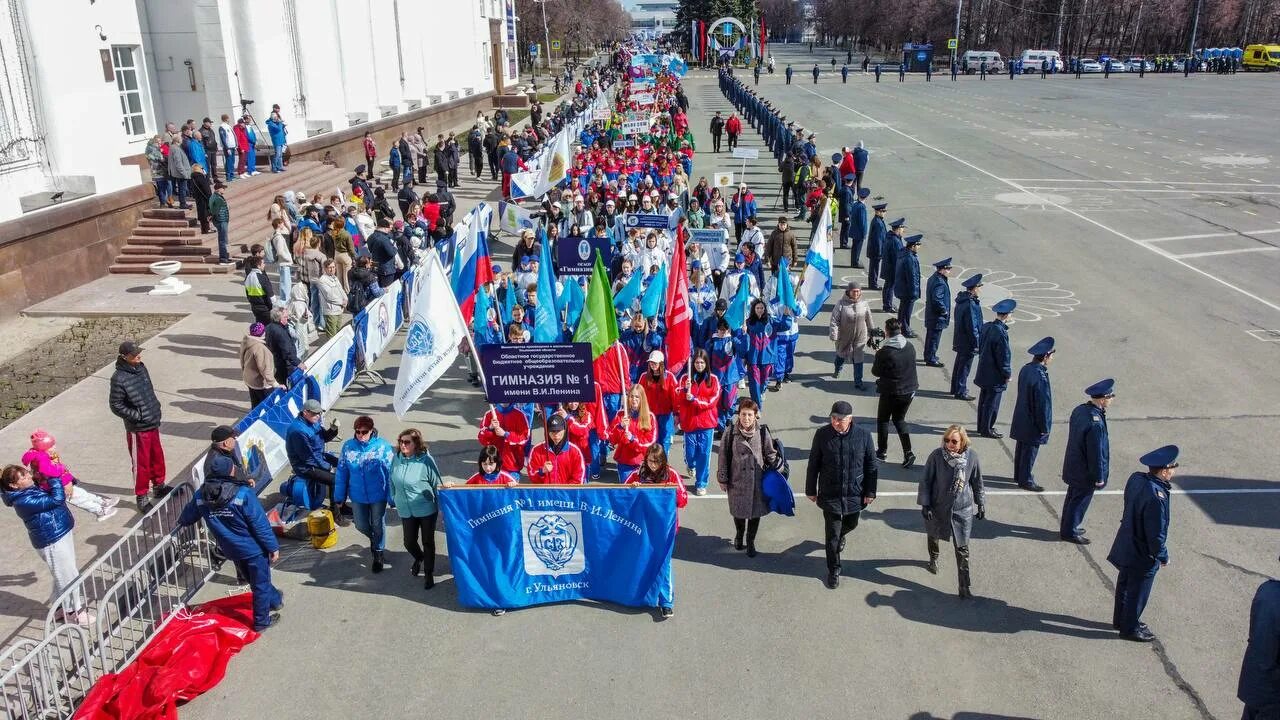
(1089,65)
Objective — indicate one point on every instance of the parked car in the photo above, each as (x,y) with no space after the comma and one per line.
(1137,64)
(1115,66)
(1089,65)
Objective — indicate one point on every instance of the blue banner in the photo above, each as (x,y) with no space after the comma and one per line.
(516,547)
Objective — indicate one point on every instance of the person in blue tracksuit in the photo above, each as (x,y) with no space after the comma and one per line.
(906,282)
(1032,414)
(364,473)
(756,342)
(994,369)
(278,130)
(937,311)
(858,226)
(1140,548)
(726,350)
(875,241)
(1087,462)
(235,519)
(964,335)
(784,342)
(889,262)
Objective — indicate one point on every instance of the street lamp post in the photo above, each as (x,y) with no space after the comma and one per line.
(546,35)
(956,49)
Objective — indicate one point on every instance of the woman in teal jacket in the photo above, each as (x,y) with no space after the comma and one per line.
(414,481)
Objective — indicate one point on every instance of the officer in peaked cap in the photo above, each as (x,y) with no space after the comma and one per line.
(994,368)
(858,226)
(937,310)
(876,233)
(906,281)
(845,197)
(1086,464)
(1140,550)
(889,262)
(1032,414)
(964,337)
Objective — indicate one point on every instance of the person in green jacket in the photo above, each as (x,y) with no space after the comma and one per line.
(220,213)
(415,478)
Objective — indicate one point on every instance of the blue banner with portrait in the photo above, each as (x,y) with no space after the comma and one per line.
(515,547)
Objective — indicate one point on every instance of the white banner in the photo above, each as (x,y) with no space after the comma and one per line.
(635,127)
(382,322)
(512,218)
(330,367)
(435,332)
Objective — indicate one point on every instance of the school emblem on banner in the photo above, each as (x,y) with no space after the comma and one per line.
(420,340)
(552,543)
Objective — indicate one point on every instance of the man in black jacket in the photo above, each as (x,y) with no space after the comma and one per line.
(717,130)
(283,350)
(133,399)
(383,250)
(209,139)
(841,480)
(895,368)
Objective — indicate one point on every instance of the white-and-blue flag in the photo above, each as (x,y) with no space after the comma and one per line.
(815,286)
(436,330)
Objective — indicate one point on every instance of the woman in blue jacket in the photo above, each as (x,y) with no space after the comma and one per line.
(49,524)
(364,472)
(415,478)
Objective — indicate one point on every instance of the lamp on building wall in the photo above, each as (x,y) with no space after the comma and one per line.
(191,74)
(101,35)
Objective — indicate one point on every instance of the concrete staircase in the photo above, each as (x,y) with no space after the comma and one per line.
(174,234)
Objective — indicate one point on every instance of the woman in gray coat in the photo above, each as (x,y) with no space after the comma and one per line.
(179,171)
(950,495)
(746,452)
(850,330)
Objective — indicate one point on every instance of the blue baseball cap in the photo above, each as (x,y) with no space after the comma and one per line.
(740,258)
(1164,457)
(1004,307)
(1101,389)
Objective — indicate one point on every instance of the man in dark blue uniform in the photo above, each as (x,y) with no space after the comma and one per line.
(1259,687)
(844,200)
(889,262)
(234,517)
(906,282)
(1139,550)
(875,240)
(937,311)
(789,71)
(1087,463)
(756,73)
(844,73)
(902,71)
(994,368)
(964,338)
(955,68)
(1032,414)
(858,224)
(817,71)
(877,72)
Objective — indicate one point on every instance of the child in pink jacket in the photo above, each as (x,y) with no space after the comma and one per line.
(46,466)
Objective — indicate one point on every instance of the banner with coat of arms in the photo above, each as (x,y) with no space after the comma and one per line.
(436,330)
(516,547)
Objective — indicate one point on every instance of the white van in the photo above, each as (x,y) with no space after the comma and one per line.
(1033,59)
(971,61)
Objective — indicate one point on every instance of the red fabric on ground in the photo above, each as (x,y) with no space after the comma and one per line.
(188,658)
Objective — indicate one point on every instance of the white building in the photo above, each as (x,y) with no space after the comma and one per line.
(88,82)
(653,18)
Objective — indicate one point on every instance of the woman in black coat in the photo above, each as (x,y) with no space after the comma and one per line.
(895,368)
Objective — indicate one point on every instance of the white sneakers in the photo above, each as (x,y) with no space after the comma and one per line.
(106,512)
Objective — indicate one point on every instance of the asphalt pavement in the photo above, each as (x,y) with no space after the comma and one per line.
(1135,221)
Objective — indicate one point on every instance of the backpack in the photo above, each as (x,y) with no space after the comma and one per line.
(357,298)
(782,467)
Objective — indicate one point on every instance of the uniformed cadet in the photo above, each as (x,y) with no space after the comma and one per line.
(928,72)
(789,71)
(994,369)
(756,73)
(817,70)
(833,63)
(1259,686)
(982,70)
(844,73)
(1013,67)
(1087,462)
(1032,414)
(877,72)
(937,311)
(902,71)
(955,68)
(1140,548)
(844,205)
(875,240)
(889,262)
(858,227)
(906,281)
(964,338)
(1044,68)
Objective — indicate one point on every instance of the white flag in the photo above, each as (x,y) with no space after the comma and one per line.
(435,332)
(513,218)
(816,285)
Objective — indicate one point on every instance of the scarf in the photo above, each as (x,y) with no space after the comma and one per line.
(959,463)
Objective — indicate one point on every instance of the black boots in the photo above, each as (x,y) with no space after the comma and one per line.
(752,526)
(932,567)
(749,528)
(962,565)
(379,560)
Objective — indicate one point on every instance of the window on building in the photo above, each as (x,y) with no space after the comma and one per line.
(125,58)
(486,57)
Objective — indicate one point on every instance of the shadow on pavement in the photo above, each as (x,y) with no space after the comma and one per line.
(1258,510)
(989,529)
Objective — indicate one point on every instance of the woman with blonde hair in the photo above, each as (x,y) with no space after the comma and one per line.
(632,431)
(415,478)
(950,496)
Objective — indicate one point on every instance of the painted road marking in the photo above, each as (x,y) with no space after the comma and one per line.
(1211,235)
(1268,248)
(1176,491)
(1155,249)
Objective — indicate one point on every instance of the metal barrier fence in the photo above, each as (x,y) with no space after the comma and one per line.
(50,678)
(87,591)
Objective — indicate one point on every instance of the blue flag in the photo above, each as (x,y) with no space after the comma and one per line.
(480,323)
(736,315)
(546,321)
(515,547)
(786,295)
(573,301)
(629,292)
(655,296)
(508,304)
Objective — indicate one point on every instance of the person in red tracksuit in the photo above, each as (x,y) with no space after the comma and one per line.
(733,127)
(608,371)
(656,471)
(557,461)
(632,432)
(660,390)
(489,472)
(699,410)
(579,419)
(506,428)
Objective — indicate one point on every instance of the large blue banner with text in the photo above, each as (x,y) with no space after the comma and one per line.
(514,547)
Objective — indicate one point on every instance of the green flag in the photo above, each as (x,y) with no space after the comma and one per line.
(598,324)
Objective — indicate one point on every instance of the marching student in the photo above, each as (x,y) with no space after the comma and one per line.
(633,430)
(557,461)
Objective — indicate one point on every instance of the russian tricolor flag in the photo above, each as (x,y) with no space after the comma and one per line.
(472,267)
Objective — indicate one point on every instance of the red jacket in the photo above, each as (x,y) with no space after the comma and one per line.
(608,369)
(702,412)
(568,467)
(370,150)
(502,478)
(580,430)
(660,393)
(673,478)
(242,138)
(733,126)
(430,213)
(629,440)
(846,165)
(511,447)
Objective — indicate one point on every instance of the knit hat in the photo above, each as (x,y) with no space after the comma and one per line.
(41,440)
(257,329)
